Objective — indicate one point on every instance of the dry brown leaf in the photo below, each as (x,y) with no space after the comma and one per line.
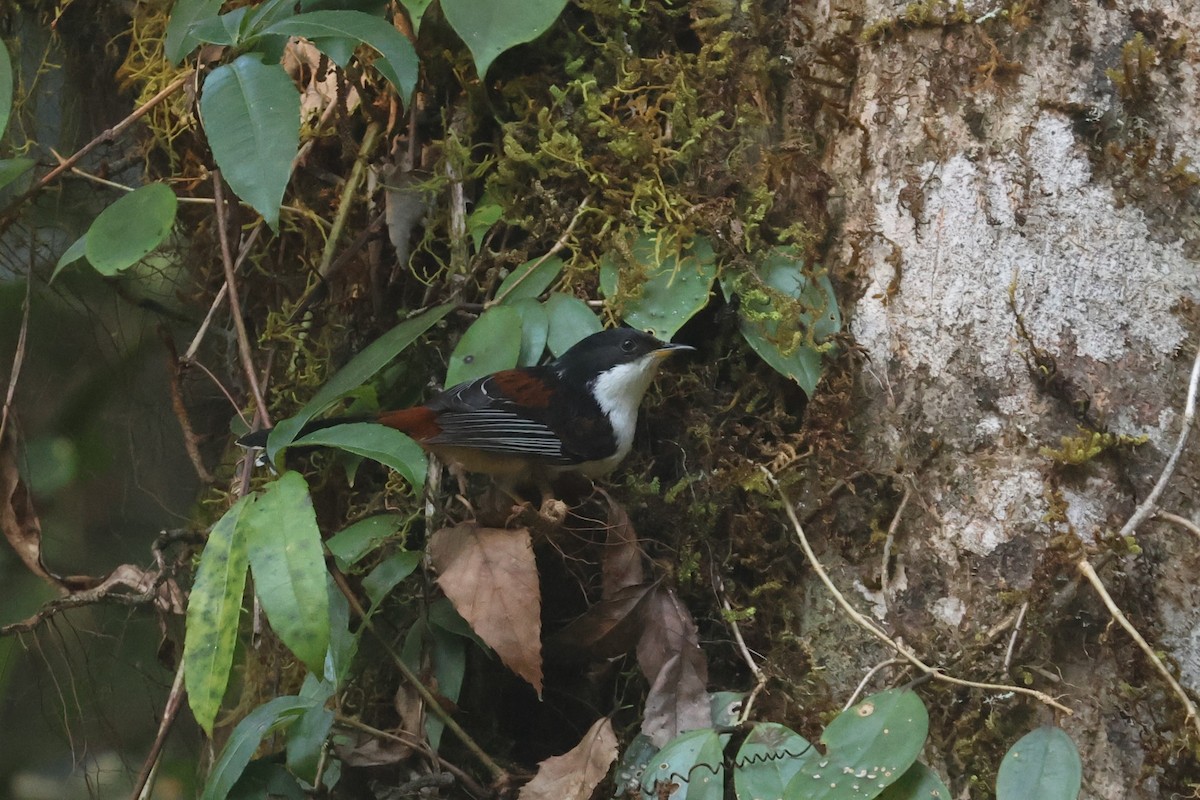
(670,657)
(18,519)
(611,627)
(575,774)
(622,562)
(490,576)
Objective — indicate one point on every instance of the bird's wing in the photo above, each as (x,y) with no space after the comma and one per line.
(501,413)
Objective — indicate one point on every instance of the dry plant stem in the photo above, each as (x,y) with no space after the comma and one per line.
(1012,640)
(760,678)
(180,408)
(216,303)
(466,780)
(353,182)
(1166,516)
(235,305)
(170,712)
(18,359)
(862,685)
(1086,568)
(108,135)
(558,245)
(887,544)
(873,629)
(431,702)
(1147,506)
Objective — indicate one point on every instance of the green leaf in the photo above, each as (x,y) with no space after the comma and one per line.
(492,343)
(180,40)
(386,445)
(214,607)
(305,741)
(570,320)
(489,27)
(266,780)
(1044,764)
(398,60)
(6,88)
(529,280)
(480,221)
(535,327)
(70,255)
(868,747)
(251,114)
(245,739)
(288,564)
(343,643)
(374,357)
(694,762)
(670,288)
(427,645)
(354,541)
(792,349)
(919,783)
(13,168)
(130,228)
(768,759)
(390,572)
(416,10)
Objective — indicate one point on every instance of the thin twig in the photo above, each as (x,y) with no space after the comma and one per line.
(862,685)
(170,712)
(1167,516)
(558,245)
(235,305)
(1147,506)
(887,544)
(108,135)
(175,389)
(873,629)
(1012,640)
(467,781)
(760,678)
(1085,567)
(216,303)
(18,358)
(414,680)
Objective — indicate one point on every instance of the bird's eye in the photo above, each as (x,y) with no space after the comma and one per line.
(628,345)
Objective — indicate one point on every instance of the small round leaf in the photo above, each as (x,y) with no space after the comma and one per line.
(130,228)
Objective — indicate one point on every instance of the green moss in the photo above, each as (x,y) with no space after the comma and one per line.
(1088,444)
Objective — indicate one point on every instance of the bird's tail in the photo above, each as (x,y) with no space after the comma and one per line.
(259,438)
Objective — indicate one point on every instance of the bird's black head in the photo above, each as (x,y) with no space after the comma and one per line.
(611,348)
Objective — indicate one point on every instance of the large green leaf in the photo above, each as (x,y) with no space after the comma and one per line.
(393,569)
(768,759)
(383,444)
(416,10)
(919,783)
(1044,764)
(13,168)
(180,40)
(70,256)
(570,320)
(288,562)
(130,228)
(529,280)
(373,358)
(489,27)
(245,739)
(398,61)
(354,541)
(212,616)
(868,747)
(787,315)
(251,114)
(663,288)
(693,762)
(6,87)
(535,329)
(492,343)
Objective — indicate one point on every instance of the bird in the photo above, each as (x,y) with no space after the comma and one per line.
(528,425)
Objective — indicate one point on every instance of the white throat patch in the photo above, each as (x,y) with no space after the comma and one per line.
(619,391)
